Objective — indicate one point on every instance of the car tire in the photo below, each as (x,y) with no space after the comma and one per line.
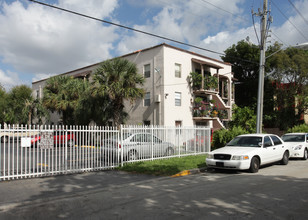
(132,155)
(169,151)
(285,158)
(305,154)
(4,139)
(254,165)
(71,143)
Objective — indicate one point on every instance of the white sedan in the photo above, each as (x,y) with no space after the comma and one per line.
(249,152)
(298,143)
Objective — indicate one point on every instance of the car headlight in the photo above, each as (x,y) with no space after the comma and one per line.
(298,147)
(210,156)
(240,157)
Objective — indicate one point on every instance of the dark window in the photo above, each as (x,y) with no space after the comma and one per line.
(276,140)
(267,141)
(147,99)
(147,71)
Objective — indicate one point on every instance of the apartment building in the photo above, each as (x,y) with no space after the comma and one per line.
(183,88)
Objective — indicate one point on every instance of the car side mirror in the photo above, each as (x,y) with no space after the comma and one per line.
(260,144)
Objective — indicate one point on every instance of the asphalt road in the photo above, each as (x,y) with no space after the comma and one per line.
(276,192)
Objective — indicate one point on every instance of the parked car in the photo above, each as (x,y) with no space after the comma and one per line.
(249,152)
(59,138)
(200,140)
(298,143)
(137,146)
(12,135)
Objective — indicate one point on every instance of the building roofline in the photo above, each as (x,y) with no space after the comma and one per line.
(138,51)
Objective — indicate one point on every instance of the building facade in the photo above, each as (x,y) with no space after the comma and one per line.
(182,88)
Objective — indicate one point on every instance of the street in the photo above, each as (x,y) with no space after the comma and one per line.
(276,192)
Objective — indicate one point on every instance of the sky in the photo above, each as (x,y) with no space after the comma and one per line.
(38,41)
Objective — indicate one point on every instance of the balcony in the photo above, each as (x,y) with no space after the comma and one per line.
(209,84)
(206,110)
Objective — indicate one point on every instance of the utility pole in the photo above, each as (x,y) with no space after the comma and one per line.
(263,15)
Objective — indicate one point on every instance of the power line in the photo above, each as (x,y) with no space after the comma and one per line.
(126,27)
(222,9)
(298,12)
(290,21)
(137,30)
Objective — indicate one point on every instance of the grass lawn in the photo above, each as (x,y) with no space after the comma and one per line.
(166,167)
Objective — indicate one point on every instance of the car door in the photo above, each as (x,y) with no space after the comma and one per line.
(279,148)
(267,150)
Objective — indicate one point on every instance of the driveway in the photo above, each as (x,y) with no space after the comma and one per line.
(276,192)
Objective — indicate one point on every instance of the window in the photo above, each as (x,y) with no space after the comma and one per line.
(276,140)
(267,142)
(147,99)
(178,98)
(178,70)
(178,124)
(147,71)
(147,123)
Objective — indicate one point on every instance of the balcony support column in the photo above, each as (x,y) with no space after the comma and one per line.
(202,77)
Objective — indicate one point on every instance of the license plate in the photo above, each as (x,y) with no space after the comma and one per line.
(219,164)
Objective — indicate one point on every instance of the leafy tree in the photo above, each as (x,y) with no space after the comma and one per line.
(62,94)
(223,136)
(289,70)
(119,80)
(3,104)
(16,101)
(244,58)
(299,128)
(244,118)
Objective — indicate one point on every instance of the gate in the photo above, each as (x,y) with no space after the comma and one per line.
(34,151)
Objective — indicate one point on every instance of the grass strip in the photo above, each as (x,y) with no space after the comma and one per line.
(165,167)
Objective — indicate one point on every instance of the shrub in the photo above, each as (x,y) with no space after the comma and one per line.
(299,128)
(223,136)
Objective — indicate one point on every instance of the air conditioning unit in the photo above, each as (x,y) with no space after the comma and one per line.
(157,98)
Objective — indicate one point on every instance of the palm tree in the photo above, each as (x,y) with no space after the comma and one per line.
(62,94)
(119,80)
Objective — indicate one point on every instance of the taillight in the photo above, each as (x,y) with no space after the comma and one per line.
(119,145)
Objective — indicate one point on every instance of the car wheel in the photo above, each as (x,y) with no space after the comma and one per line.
(70,143)
(169,151)
(285,158)
(305,154)
(254,165)
(4,139)
(132,155)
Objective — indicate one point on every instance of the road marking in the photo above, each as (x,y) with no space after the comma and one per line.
(42,164)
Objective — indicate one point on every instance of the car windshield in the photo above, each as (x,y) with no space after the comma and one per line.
(293,138)
(246,141)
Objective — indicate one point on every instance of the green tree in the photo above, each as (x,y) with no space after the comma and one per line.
(244,58)
(62,94)
(3,104)
(16,101)
(119,80)
(289,72)
(244,118)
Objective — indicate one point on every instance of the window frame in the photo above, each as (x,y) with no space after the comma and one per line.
(147,74)
(178,73)
(147,99)
(178,101)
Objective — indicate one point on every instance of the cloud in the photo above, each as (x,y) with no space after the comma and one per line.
(187,21)
(9,79)
(38,39)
